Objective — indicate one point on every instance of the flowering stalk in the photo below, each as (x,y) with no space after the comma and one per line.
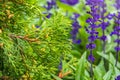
(91,30)
(117,30)
(75,29)
(75,24)
(117,33)
(103,24)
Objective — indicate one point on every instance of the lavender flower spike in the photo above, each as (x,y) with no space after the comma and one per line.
(91,29)
(75,29)
(118,77)
(116,30)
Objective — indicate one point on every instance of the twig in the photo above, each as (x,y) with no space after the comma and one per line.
(24,37)
(61,74)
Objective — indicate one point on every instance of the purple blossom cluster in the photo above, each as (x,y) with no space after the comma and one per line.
(104,23)
(70,2)
(93,3)
(50,5)
(118,77)
(98,15)
(75,29)
(60,64)
(91,30)
(117,5)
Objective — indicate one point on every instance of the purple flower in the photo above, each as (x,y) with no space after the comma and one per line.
(91,58)
(115,32)
(37,26)
(49,15)
(117,41)
(90,46)
(117,5)
(50,4)
(89,20)
(103,38)
(70,2)
(76,15)
(94,23)
(104,25)
(93,2)
(77,41)
(75,29)
(117,48)
(92,38)
(60,66)
(91,29)
(75,24)
(110,16)
(118,77)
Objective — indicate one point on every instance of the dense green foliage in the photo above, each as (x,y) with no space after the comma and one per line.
(27,50)
(31,53)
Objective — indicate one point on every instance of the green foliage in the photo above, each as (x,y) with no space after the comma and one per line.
(31,52)
(80,68)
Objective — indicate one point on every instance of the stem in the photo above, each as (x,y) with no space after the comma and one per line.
(103,31)
(1,61)
(104,43)
(104,52)
(66,13)
(91,67)
(117,53)
(91,70)
(116,58)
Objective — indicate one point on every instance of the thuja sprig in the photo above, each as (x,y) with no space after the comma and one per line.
(91,30)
